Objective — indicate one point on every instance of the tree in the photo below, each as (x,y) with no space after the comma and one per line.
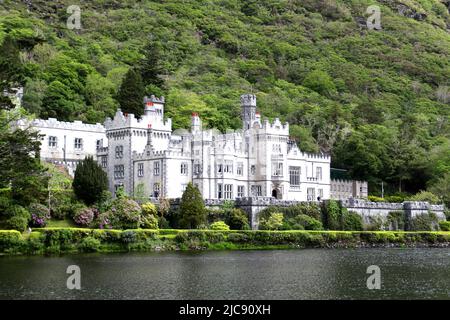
(237,219)
(192,208)
(151,69)
(90,181)
(320,82)
(274,222)
(10,70)
(131,93)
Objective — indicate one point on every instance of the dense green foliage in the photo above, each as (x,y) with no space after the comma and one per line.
(219,225)
(71,240)
(131,93)
(90,181)
(192,211)
(377,100)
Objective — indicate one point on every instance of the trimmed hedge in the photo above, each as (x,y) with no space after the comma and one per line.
(73,240)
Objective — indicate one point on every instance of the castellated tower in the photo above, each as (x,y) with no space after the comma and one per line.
(248,105)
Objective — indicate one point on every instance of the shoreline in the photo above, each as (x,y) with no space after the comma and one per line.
(54,241)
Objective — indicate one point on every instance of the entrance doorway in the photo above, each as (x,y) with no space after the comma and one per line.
(275,193)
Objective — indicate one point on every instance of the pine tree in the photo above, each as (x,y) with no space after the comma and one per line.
(151,69)
(90,181)
(192,208)
(131,93)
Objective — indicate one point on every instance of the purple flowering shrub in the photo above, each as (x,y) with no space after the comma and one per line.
(39,215)
(123,214)
(104,220)
(85,216)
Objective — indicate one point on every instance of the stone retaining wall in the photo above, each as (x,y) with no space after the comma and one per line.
(368,210)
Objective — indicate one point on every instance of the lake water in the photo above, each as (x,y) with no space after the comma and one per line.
(278,274)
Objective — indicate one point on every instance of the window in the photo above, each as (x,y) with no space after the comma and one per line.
(240,191)
(240,169)
(228,191)
(78,143)
(119,171)
(256,191)
(197,168)
(320,193)
(52,142)
(183,187)
(156,169)
(228,166)
(253,169)
(119,152)
(219,191)
(99,144)
(294,176)
(311,194)
(220,168)
(319,173)
(140,170)
(184,168)
(276,148)
(277,169)
(156,190)
(104,162)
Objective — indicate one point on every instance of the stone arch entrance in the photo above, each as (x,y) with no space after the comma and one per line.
(275,193)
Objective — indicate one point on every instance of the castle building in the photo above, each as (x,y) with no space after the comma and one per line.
(67,143)
(148,159)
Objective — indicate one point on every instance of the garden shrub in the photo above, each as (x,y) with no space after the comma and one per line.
(237,219)
(375,224)
(309,209)
(238,237)
(19,223)
(273,222)
(128,236)
(331,215)
(444,225)
(149,218)
(424,222)
(124,214)
(89,244)
(85,216)
(302,222)
(149,209)
(149,222)
(9,239)
(181,237)
(351,221)
(60,202)
(219,225)
(426,196)
(36,242)
(17,218)
(39,215)
(163,223)
(396,220)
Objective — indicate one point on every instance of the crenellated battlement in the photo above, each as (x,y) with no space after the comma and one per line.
(276,127)
(316,156)
(124,120)
(52,123)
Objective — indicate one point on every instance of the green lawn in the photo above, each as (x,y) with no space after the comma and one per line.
(66,223)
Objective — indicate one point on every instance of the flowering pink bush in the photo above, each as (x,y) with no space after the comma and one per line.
(124,214)
(85,216)
(39,215)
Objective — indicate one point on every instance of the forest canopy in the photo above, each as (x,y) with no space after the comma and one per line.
(377,100)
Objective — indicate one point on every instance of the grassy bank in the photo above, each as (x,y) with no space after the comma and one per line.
(74,240)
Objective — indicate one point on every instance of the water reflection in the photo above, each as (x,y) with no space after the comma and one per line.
(292,274)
